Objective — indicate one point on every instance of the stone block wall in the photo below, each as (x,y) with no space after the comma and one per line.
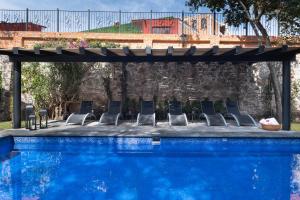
(185,81)
(195,82)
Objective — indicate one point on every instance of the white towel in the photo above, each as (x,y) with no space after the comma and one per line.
(269,121)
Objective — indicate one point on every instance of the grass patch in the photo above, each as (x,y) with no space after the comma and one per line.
(124,28)
(295,126)
(8,125)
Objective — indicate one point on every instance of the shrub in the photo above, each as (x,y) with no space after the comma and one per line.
(295,90)
(0,85)
(52,84)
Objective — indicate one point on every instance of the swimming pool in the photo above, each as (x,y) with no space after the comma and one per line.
(136,168)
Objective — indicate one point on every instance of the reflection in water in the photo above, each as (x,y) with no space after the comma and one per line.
(200,170)
(295,179)
(5,180)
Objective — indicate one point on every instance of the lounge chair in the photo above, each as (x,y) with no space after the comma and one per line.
(175,115)
(85,113)
(147,114)
(113,114)
(241,118)
(212,118)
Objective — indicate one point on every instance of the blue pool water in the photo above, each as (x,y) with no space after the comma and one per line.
(133,168)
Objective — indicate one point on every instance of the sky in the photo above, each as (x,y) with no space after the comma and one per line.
(98,5)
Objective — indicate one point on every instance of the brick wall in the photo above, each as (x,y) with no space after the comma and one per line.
(27,39)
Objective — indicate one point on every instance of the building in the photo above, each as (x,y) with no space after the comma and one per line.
(202,24)
(158,26)
(22,26)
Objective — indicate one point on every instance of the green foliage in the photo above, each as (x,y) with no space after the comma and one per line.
(35,81)
(289,16)
(219,106)
(295,91)
(196,106)
(295,126)
(76,43)
(8,125)
(0,84)
(52,84)
(242,11)
(98,44)
(52,44)
(1,90)
(187,107)
(123,28)
(161,110)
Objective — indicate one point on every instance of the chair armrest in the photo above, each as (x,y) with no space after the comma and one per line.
(137,119)
(186,120)
(169,119)
(117,119)
(68,119)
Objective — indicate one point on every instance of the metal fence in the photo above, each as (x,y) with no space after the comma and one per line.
(126,22)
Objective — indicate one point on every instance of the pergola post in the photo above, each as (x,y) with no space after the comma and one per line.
(286,95)
(17,95)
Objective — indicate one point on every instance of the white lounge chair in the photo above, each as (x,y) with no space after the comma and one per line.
(147,114)
(176,116)
(212,118)
(85,113)
(113,114)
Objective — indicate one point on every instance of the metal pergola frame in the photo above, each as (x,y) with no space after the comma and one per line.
(237,54)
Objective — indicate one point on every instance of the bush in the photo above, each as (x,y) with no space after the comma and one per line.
(0,85)
(52,84)
(295,90)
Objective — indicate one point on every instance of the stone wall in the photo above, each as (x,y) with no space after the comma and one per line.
(92,86)
(185,81)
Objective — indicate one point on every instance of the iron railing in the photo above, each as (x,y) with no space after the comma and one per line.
(181,23)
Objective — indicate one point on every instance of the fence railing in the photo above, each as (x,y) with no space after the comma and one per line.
(126,22)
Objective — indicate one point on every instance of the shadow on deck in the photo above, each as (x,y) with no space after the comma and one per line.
(162,129)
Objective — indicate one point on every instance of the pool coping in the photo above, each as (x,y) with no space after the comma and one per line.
(196,130)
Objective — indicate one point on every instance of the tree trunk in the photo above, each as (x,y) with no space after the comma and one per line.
(273,73)
(264,33)
(255,23)
(277,89)
(123,88)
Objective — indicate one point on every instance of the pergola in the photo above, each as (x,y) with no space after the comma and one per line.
(237,54)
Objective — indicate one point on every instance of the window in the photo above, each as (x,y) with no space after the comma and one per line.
(194,24)
(203,24)
(161,30)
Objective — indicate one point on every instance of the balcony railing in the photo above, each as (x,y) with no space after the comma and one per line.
(181,23)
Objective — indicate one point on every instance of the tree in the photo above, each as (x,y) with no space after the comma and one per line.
(53,84)
(237,12)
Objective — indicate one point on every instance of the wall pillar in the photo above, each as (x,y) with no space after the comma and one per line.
(17,95)
(286,95)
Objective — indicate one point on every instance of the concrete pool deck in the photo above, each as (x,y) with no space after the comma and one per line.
(162,129)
